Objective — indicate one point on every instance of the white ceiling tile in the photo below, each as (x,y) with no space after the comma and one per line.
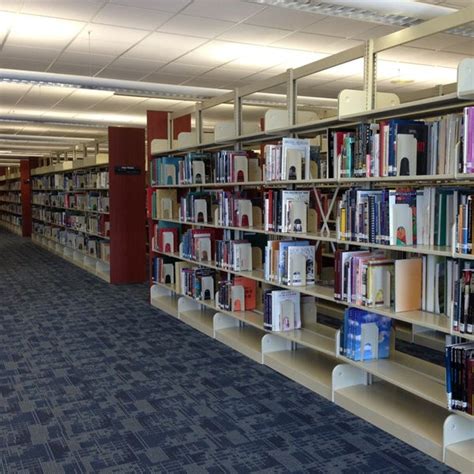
(164,46)
(226,74)
(284,18)
(441,41)
(465,47)
(156,104)
(11,5)
(24,64)
(67,68)
(204,27)
(319,43)
(42,31)
(440,58)
(81,100)
(140,65)
(23,52)
(44,96)
(214,53)
(68,9)
(230,10)
(139,18)
(112,72)
(6,19)
(402,54)
(10,93)
(106,39)
(82,59)
(164,5)
(188,70)
(376,32)
(259,35)
(204,82)
(337,26)
(159,77)
(116,104)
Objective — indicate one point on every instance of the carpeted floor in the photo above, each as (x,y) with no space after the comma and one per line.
(93,379)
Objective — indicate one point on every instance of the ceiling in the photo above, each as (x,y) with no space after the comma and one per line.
(205,43)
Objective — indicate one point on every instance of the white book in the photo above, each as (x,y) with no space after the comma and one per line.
(242,256)
(301,265)
(295,150)
(286,310)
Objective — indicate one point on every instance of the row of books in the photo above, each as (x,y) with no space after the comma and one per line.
(72,181)
(234,255)
(90,201)
(10,186)
(455,284)
(99,225)
(402,216)
(237,294)
(405,147)
(289,160)
(365,335)
(198,283)
(286,211)
(292,262)
(460,377)
(92,246)
(11,219)
(162,272)
(11,208)
(282,310)
(11,197)
(225,166)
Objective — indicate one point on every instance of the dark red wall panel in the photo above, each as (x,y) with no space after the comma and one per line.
(127,206)
(181,124)
(25,184)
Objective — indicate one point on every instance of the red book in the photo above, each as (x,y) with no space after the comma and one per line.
(250,289)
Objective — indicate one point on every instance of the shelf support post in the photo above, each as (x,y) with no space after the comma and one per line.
(291,95)
(370,75)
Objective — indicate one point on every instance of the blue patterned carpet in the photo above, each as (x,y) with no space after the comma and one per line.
(92,379)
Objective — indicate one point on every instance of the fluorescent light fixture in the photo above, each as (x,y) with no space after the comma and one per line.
(44,138)
(402,13)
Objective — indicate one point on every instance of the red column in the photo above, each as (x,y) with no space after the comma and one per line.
(181,124)
(127,209)
(25,186)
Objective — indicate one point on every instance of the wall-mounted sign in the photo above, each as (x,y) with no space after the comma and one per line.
(128,170)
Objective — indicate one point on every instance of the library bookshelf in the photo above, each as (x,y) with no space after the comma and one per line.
(15,200)
(403,395)
(90,210)
(10,203)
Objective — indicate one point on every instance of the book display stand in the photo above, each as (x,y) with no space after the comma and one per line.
(403,395)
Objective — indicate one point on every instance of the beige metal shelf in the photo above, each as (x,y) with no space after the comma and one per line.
(460,456)
(411,380)
(421,318)
(168,304)
(200,320)
(305,366)
(401,414)
(244,339)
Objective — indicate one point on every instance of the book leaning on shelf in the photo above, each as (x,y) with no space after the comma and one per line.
(459,363)
(365,335)
(238,294)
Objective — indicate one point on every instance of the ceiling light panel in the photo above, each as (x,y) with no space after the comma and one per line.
(291,20)
(42,31)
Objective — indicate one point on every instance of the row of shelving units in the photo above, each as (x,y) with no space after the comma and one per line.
(63,196)
(401,395)
(10,202)
(195,198)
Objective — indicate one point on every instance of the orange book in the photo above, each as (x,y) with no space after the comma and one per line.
(250,289)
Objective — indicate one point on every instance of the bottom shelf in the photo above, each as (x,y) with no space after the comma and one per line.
(460,456)
(200,320)
(166,303)
(245,339)
(16,229)
(396,411)
(305,366)
(88,263)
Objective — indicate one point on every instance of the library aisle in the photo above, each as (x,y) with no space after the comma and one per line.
(93,379)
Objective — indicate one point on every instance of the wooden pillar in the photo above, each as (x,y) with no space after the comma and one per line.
(127,205)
